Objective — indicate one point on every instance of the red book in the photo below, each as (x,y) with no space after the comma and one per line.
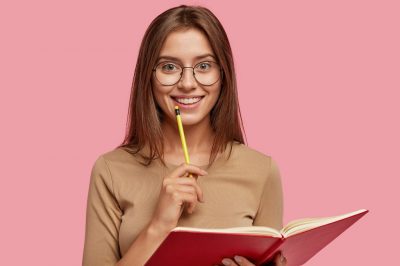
(299,241)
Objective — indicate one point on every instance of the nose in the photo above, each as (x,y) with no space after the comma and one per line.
(187,80)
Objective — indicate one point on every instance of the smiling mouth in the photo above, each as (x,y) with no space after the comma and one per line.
(187,101)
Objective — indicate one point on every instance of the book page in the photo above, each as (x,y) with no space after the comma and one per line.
(256,230)
(301,225)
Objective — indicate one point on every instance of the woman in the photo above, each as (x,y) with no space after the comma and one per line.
(141,190)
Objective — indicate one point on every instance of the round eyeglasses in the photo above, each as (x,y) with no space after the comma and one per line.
(206,73)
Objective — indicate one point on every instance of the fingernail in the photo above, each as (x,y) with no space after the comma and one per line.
(204,172)
(282,258)
(238,258)
(226,262)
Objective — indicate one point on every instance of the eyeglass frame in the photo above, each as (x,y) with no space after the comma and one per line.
(194,74)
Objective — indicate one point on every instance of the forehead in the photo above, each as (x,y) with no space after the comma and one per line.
(186,45)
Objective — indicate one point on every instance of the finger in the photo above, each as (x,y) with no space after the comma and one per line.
(191,182)
(184,168)
(242,261)
(228,262)
(171,184)
(191,207)
(182,181)
(190,200)
(189,190)
(283,261)
(182,197)
(280,260)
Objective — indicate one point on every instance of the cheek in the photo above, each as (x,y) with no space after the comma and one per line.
(214,93)
(159,93)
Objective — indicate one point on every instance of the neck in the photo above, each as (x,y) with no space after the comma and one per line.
(199,137)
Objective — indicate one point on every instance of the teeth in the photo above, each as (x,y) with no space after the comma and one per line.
(188,100)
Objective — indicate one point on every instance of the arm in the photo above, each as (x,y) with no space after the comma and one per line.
(144,246)
(270,211)
(176,191)
(103,217)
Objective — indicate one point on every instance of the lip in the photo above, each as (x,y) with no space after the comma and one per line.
(187,107)
(186,96)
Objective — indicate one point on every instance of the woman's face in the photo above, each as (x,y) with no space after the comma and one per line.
(186,48)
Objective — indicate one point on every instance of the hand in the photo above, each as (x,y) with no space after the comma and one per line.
(177,189)
(278,260)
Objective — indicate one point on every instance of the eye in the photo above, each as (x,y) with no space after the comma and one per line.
(169,67)
(203,66)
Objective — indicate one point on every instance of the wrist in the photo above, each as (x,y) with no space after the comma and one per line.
(157,230)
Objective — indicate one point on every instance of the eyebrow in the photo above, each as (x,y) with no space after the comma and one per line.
(177,59)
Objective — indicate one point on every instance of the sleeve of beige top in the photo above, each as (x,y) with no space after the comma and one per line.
(103,219)
(270,211)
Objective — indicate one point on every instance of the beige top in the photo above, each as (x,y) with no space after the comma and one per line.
(242,191)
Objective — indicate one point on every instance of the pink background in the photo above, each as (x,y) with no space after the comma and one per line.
(319,91)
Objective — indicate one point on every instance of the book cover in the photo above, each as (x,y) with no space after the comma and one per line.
(299,241)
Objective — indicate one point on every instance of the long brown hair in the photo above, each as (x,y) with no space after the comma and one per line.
(145,117)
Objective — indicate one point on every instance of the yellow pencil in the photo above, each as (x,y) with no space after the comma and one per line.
(182,135)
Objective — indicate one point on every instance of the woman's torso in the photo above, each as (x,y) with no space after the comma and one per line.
(232,191)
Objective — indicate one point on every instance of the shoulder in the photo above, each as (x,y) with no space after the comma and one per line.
(247,156)
(246,153)
(118,158)
(117,155)
(121,170)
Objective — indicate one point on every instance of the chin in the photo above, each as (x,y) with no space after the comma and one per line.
(191,120)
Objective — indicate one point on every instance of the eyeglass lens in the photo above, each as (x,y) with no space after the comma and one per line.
(169,73)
